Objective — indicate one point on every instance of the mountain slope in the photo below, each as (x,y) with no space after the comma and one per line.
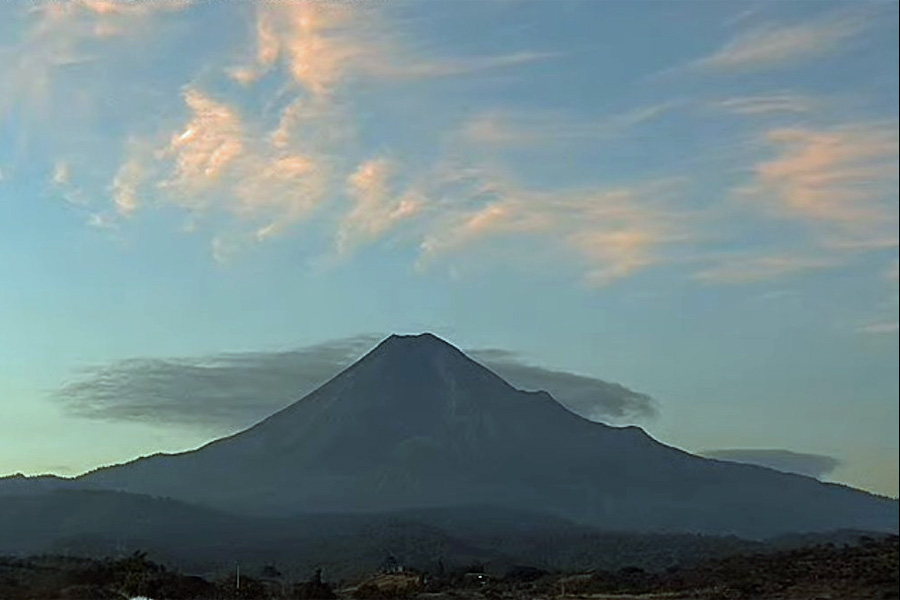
(416,424)
(197,539)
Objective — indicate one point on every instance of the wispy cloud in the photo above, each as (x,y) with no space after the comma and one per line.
(838,185)
(766,104)
(228,158)
(378,206)
(217,162)
(886,327)
(62,181)
(316,41)
(529,128)
(842,179)
(125,187)
(208,144)
(887,323)
(63,34)
(615,232)
(400,69)
(754,269)
(324,43)
(778,45)
(61,173)
(253,161)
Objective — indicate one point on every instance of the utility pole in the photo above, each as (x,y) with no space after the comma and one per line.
(238,579)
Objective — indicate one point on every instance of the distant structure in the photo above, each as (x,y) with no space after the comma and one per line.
(391,565)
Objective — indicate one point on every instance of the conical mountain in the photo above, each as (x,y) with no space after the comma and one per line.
(415,423)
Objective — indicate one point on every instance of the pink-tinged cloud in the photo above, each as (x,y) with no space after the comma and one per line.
(220,162)
(780,45)
(379,206)
(322,44)
(77,20)
(618,253)
(280,192)
(843,178)
(314,40)
(612,233)
(210,142)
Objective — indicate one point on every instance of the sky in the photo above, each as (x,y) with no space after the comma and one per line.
(681,215)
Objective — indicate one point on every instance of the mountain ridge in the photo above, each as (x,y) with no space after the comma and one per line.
(415,423)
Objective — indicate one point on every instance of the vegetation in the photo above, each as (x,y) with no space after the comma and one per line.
(48,577)
(864,570)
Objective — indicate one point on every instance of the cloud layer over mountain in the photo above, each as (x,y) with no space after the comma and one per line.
(811,465)
(230,391)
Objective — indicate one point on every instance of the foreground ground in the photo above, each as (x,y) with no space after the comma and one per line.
(862,571)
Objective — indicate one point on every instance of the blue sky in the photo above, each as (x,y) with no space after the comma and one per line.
(697,200)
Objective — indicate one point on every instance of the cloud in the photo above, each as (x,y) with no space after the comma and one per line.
(125,185)
(614,232)
(219,163)
(754,269)
(618,253)
(208,144)
(837,185)
(403,69)
(99,220)
(782,45)
(61,173)
(589,397)
(887,323)
(377,208)
(291,144)
(63,34)
(811,465)
(323,44)
(63,183)
(532,128)
(766,104)
(226,392)
(219,391)
(843,180)
(316,41)
(886,327)
(230,160)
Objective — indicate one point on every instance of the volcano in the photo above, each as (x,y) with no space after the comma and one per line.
(417,424)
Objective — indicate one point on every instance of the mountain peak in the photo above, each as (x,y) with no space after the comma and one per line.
(422,345)
(417,340)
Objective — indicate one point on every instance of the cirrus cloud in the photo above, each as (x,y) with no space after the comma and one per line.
(614,231)
(840,180)
(779,45)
